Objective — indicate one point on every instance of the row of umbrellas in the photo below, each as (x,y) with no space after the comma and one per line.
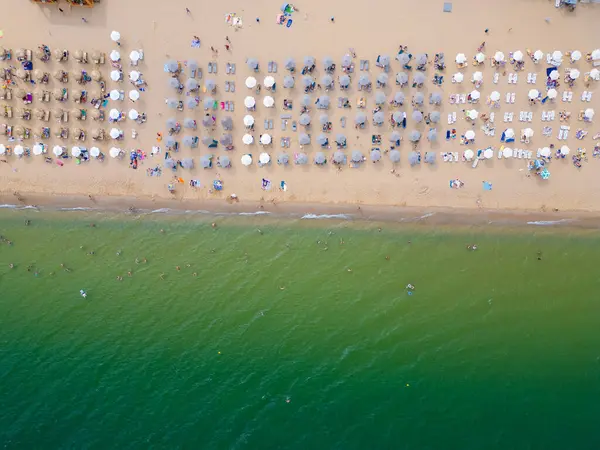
(338,157)
(57,150)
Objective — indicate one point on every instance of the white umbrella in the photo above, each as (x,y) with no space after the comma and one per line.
(134,75)
(249,102)
(533,94)
(75,151)
(134,56)
(264,158)
(477,76)
(538,55)
(115,133)
(133,114)
(589,113)
(250,82)
(470,134)
(115,36)
(596,54)
(499,56)
(115,95)
(574,74)
(269,101)
(134,95)
(19,150)
(458,77)
(38,149)
(545,152)
(528,132)
(115,55)
(265,139)
(269,81)
(518,55)
(554,75)
(565,150)
(461,58)
(507,152)
(114,152)
(595,74)
(495,96)
(246,160)
(94,152)
(472,114)
(557,56)
(248,120)
(115,75)
(114,114)
(480,57)
(247,139)
(488,153)
(475,95)
(469,154)
(575,55)
(552,93)
(509,133)
(2,149)
(57,150)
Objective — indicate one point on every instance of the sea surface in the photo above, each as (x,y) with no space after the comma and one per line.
(269,333)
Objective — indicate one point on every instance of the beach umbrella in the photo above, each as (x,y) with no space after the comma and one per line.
(395,137)
(224,161)
(169,163)
(399,98)
(134,75)
(538,55)
(192,84)
(134,56)
(469,154)
(518,55)
(565,150)
(252,63)
(574,74)
(488,153)
(264,158)
(384,60)
(247,139)
(472,114)
(360,119)
(114,152)
(115,95)
(528,132)
(171,102)
(327,81)
(344,81)
(174,83)
(533,94)
(596,55)
(290,64)
(115,133)
(249,102)
(499,56)
(419,78)
(458,77)
(379,118)
(394,156)
(227,123)
(209,103)
(414,136)
(375,155)
(114,114)
(94,152)
(339,157)
(461,58)
(115,36)
(413,158)
(207,140)
(323,119)
(346,61)
(421,59)
(191,103)
(322,139)
(470,134)
(208,121)
(480,57)
(435,117)
(554,75)
(248,120)
(187,163)
(38,149)
(403,58)
(552,93)
(133,114)
(328,63)
(545,174)
(268,101)
(323,102)
(57,150)
(430,157)
(135,95)
(575,55)
(3,149)
(364,81)
(477,76)
(309,61)
(192,64)
(18,150)
(75,151)
(246,160)
(545,152)
(557,56)
(595,74)
(170,141)
(418,98)
(357,156)
(304,139)
(188,141)
(589,113)
(417,116)
(189,123)
(304,119)
(115,55)
(401,78)
(340,139)
(265,139)
(288,82)
(283,159)
(495,96)
(307,81)
(509,133)
(250,82)
(507,152)
(205,161)
(269,81)
(397,117)
(226,140)
(320,158)
(209,85)
(301,158)
(475,95)
(435,98)
(432,135)
(382,78)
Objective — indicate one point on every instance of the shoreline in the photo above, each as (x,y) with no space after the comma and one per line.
(427,216)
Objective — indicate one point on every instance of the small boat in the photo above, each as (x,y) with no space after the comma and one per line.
(83,293)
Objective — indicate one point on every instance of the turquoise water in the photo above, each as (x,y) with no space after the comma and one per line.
(288,337)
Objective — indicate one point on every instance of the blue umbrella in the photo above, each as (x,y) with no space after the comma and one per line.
(545,174)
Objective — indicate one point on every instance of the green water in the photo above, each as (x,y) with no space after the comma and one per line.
(276,344)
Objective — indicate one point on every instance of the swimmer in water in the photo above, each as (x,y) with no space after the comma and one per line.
(178,268)
(162,276)
(349,270)
(145,260)
(162,231)
(119,253)
(214,225)
(11,266)
(137,261)
(194,274)
(282,288)
(129,273)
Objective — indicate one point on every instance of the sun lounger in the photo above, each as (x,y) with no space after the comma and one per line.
(226,106)
(270,67)
(232,86)
(209,67)
(362,64)
(231,106)
(343,121)
(228,68)
(274,67)
(449,119)
(294,126)
(463,98)
(529,116)
(283,124)
(232,68)
(507,98)
(496,77)
(453,117)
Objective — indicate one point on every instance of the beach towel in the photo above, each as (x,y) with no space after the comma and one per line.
(266,184)
(487,186)
(283,185)
(289,23)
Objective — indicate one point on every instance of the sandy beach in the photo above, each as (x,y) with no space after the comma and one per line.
(165,30)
